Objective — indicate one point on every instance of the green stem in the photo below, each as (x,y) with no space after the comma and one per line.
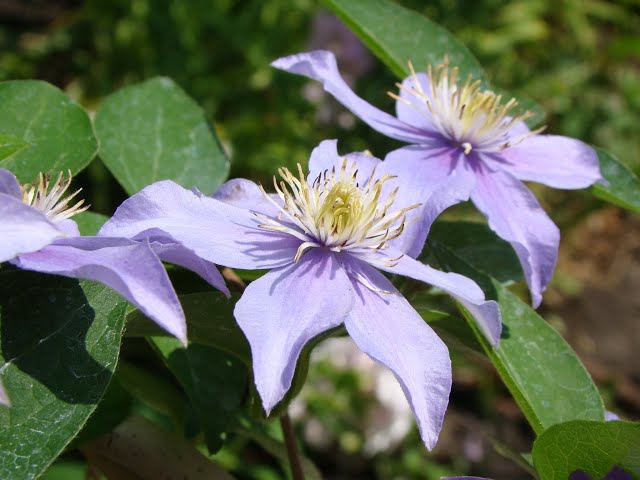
(292,447)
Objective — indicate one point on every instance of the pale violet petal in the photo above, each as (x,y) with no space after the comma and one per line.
(388,329)
(9,184)
(172,252)
(325,158)
(246,194)
(560,162)
(321,65)
(217,232)
(411,107)
(516,216)
(434,176)
(610,416)
(130,268)
(4,398)
(284,309)
(486,313)
(68,226)
(24,229)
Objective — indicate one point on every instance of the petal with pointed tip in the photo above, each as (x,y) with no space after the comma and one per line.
(486,313)
(321,65)
(515,215)
(130,268)
(388,329)
(284,309)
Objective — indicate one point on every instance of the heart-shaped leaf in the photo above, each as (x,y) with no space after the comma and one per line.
(154,131)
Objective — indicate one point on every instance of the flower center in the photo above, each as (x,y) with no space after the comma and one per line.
(335,212)
(49,198)
(470,117)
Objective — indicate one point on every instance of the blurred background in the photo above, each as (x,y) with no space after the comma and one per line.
(579,59)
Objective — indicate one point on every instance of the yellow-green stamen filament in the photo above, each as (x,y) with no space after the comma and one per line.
(335,212)
(467,115)
(49,198)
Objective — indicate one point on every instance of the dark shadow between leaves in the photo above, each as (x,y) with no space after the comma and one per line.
(44,324)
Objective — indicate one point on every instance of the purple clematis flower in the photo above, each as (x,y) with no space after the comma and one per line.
(463,478)
(38,234)
(463,134)
(616,473)
(324,237)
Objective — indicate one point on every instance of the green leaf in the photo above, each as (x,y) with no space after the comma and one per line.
(479,246)
(623,188)
(60,340)
(397,35)
(593,447)
(153,390)
(114,407)
(214,381)
(539,368)
(210,322)
(68,470)
(10,145)
(89,222)
(154,131)
(52,132)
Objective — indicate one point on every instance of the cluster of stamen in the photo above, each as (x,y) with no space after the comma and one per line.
(469,116)
(49,198)
(336,213)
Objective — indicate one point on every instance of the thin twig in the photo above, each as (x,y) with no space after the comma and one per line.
(292,447)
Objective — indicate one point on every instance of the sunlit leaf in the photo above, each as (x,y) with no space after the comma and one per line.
(623,186)
(539,368)
(398,35)
(593,447)
(154,131)
(50,133)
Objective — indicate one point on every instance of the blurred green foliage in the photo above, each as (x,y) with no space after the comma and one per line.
(578,58)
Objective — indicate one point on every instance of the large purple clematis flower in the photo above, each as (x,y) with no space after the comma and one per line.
(323,237)
(38,234)
(459,130)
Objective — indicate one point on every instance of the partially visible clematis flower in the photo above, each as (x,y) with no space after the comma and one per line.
(38,234)
(4,398)
(323,237)
(616,473)
(463,478)
(461,133)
